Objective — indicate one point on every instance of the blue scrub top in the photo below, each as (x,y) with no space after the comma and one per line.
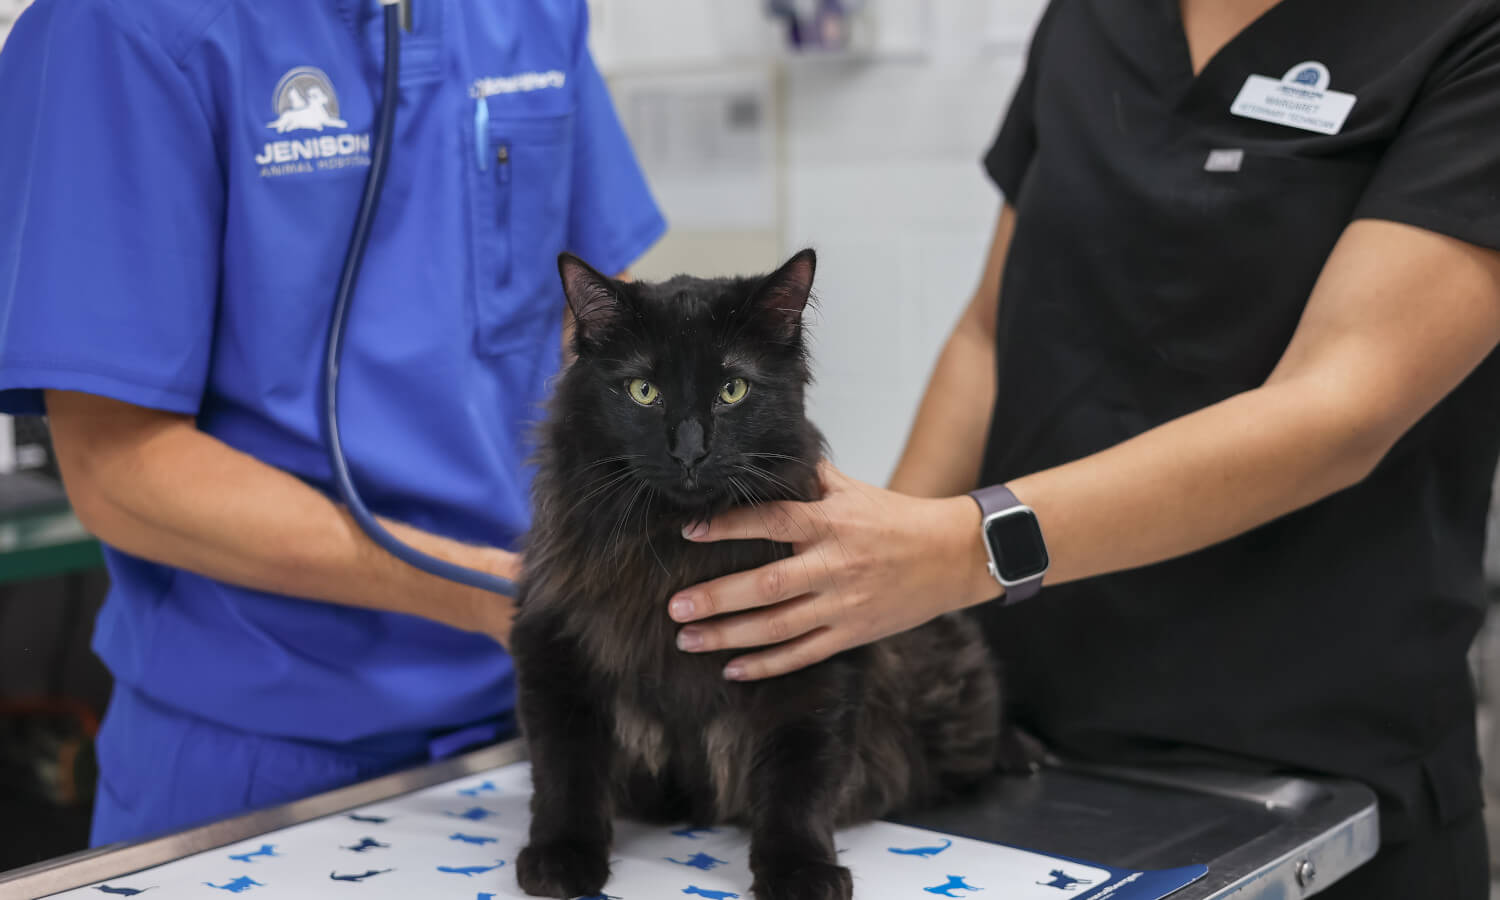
(178,179)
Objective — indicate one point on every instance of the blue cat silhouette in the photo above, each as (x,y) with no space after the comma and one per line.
(954,883)
(366,844)
(711,895)
(373,820)
(471,838)
(1063,881)
(122,891)
(466,871)
(474,791)
(473,814)
(237,886)
(922,851)
(693,833)
(370,874)
(698,861)
(265,850)
(600,897)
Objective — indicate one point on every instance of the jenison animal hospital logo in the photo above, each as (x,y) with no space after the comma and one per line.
(304,100)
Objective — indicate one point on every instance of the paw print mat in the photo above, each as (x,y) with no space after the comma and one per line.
(459,840)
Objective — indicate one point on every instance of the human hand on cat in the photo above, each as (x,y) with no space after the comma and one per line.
(867,563)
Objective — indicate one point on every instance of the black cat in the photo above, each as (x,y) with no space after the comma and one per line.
(686,399)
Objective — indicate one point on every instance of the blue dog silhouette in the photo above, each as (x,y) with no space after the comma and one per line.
(698,861)
(237,886)
(471,838)
(366,844)
(954,883)
(265,850)
(711,895)
(474,791)
(122,891)
(1063,881)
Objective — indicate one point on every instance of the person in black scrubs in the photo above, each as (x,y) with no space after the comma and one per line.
(1242,373)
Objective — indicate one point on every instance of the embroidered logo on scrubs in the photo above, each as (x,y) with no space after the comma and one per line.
(304,100)
(1300,99)
(517,84)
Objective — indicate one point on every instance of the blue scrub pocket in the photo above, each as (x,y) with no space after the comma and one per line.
(523,173)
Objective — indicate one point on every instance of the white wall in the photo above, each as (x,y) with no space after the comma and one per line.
(872,158)
(9,10)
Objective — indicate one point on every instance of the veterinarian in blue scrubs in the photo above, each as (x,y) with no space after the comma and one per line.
(1233,354)
(177,184)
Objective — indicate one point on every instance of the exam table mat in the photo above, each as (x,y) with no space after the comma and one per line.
(459,839)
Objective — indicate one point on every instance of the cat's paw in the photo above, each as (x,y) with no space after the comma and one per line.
(807,881)
(563,869)
(1019,753)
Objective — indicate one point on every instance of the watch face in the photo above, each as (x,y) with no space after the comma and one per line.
(1016,541)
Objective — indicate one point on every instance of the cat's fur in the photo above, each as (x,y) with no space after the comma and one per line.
(616,718)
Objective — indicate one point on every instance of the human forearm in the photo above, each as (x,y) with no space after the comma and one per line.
(154,486)
(946,443)
(1200,479)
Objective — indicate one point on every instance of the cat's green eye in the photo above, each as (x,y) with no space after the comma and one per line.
(734,390)
(642,391)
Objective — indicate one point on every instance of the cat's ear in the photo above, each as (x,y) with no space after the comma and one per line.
(782,296)
(592,297)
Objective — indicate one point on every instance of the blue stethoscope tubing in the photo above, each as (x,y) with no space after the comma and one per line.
(358,240)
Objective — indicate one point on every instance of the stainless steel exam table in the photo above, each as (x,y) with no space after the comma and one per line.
(1262,838)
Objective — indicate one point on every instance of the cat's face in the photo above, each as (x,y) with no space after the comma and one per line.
(696,384)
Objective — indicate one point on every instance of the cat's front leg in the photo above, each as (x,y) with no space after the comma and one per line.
(569,739)
(796,783)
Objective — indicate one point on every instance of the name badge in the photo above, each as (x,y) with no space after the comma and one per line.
(1300,99)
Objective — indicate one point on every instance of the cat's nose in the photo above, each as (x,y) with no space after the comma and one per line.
(688,444)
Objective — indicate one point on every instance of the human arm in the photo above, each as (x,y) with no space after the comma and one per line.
(946,441)
(151,484)
(1367,360)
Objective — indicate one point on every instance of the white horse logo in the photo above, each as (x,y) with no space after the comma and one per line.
(305,99)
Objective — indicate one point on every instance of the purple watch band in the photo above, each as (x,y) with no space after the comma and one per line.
(997,498)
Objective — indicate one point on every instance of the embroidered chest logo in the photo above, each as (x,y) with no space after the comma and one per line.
(305,100)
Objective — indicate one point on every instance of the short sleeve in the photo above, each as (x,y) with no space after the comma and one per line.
(111,208)
(1014,147)
(612,219)
(1442,170)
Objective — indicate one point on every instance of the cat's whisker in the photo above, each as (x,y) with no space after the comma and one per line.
(646,530)
(765,454)
(611,480)
(618,532)
(609,459)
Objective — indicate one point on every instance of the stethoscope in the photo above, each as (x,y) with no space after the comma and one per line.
(397,15)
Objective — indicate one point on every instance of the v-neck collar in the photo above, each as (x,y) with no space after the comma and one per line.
(1183,55)
(1149,34)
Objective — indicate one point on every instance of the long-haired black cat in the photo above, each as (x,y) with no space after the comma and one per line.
(686,399)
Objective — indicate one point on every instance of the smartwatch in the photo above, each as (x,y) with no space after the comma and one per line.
(1013,540)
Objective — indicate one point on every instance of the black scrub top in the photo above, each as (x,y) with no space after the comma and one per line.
(1150,276)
